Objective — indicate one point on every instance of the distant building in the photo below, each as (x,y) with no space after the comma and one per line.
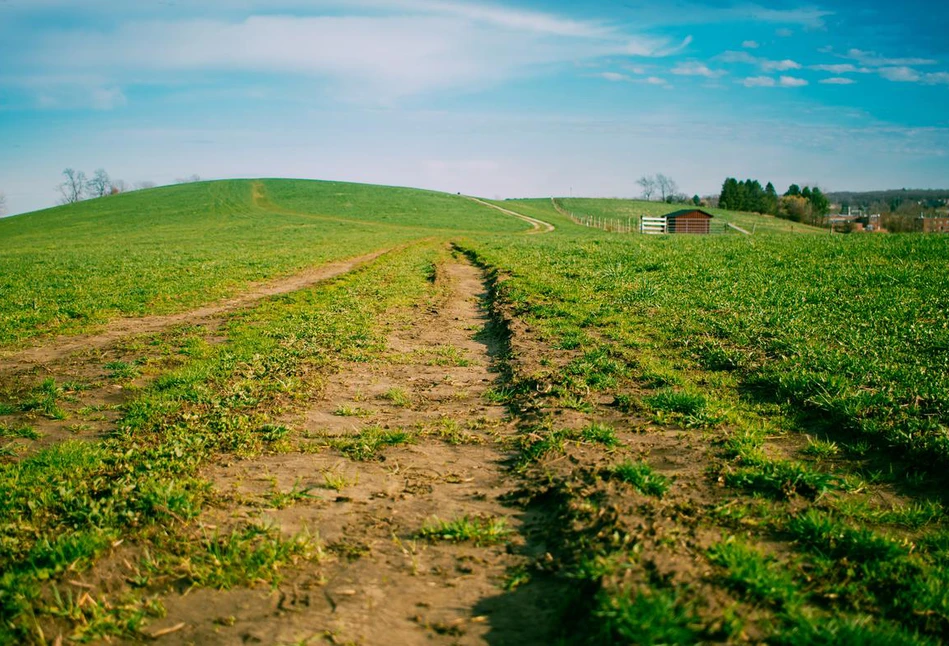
(689,221)
(932,224)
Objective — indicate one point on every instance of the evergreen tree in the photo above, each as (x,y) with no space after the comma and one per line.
(793,191)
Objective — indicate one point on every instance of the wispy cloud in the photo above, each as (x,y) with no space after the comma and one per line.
(759,81)
(840,68)
(780,66)
(750,44)
(837,80)
(792,81)
(872,59)
(399,48)
(696,69)
(766,65)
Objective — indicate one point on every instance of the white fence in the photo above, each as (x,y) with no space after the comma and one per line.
(652,225)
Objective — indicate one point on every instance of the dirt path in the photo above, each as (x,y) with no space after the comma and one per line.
(539,226)
(86,391)
(380,582)
(61,347)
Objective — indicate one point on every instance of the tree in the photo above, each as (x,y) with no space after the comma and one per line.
(696,200)
(139,186)
(667,186)
(793,190)
(3,205)
(120,186)
(100,185)
(73,187)
(819,203)
(648,184)
(188,180)
(771,199)
(795,208)
(729,197)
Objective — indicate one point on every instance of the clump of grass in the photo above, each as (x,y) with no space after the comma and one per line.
(451,432)
(599,434)
(480,530)
(337,481)
(283,499)
(780,479)
(754,575)
(44,400)
(643,616)
(122,370)
(398,397)
(821,449)
(243,557)
(541,441)
(352,411)
(19,432)
(642,477)
(367,444)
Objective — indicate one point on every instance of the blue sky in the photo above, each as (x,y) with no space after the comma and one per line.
(497,99)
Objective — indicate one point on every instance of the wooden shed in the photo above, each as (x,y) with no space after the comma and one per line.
(689,221)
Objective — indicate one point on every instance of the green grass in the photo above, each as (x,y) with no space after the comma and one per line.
(192,243)
(66,504)
(642,477)
(479,530)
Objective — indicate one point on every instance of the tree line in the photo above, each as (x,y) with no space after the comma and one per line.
(77,187)
(808,205)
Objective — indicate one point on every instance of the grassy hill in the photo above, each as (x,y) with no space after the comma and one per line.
(718,438)
(171,248)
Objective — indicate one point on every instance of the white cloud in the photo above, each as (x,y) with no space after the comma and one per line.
(696,69)
(780,66)
(383,57)
(791,81)
(872,59)
(837,80)
(840,68)
(750,44)
(759,81)
(936,78)
(615,77)
(655,80)
(784,33)
(900,74)
(738,57)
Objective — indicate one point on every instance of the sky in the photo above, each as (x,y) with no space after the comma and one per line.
(497,99)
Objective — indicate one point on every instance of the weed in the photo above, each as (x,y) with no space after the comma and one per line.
(19,432)
(480,530)
(641,476)
(367,443)
(398,397)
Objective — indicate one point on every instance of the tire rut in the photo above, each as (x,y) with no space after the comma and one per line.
(380,582)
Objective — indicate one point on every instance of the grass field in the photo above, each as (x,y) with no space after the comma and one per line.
(730,439)
(169,249)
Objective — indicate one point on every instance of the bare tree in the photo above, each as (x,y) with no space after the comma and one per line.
(139,186)
(3,204)
(667,186)
(100,185)
(119,186)
(74,186)
(188,180)
(648,184)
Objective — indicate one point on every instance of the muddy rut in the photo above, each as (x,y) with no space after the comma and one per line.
(378,582)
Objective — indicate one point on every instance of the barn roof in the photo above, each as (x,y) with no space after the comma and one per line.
(688,211)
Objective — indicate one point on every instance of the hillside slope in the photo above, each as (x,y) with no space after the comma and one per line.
(171,248)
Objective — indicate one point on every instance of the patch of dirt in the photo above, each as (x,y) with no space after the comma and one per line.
(379,582)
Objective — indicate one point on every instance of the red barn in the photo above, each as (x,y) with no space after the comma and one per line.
(689,221)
